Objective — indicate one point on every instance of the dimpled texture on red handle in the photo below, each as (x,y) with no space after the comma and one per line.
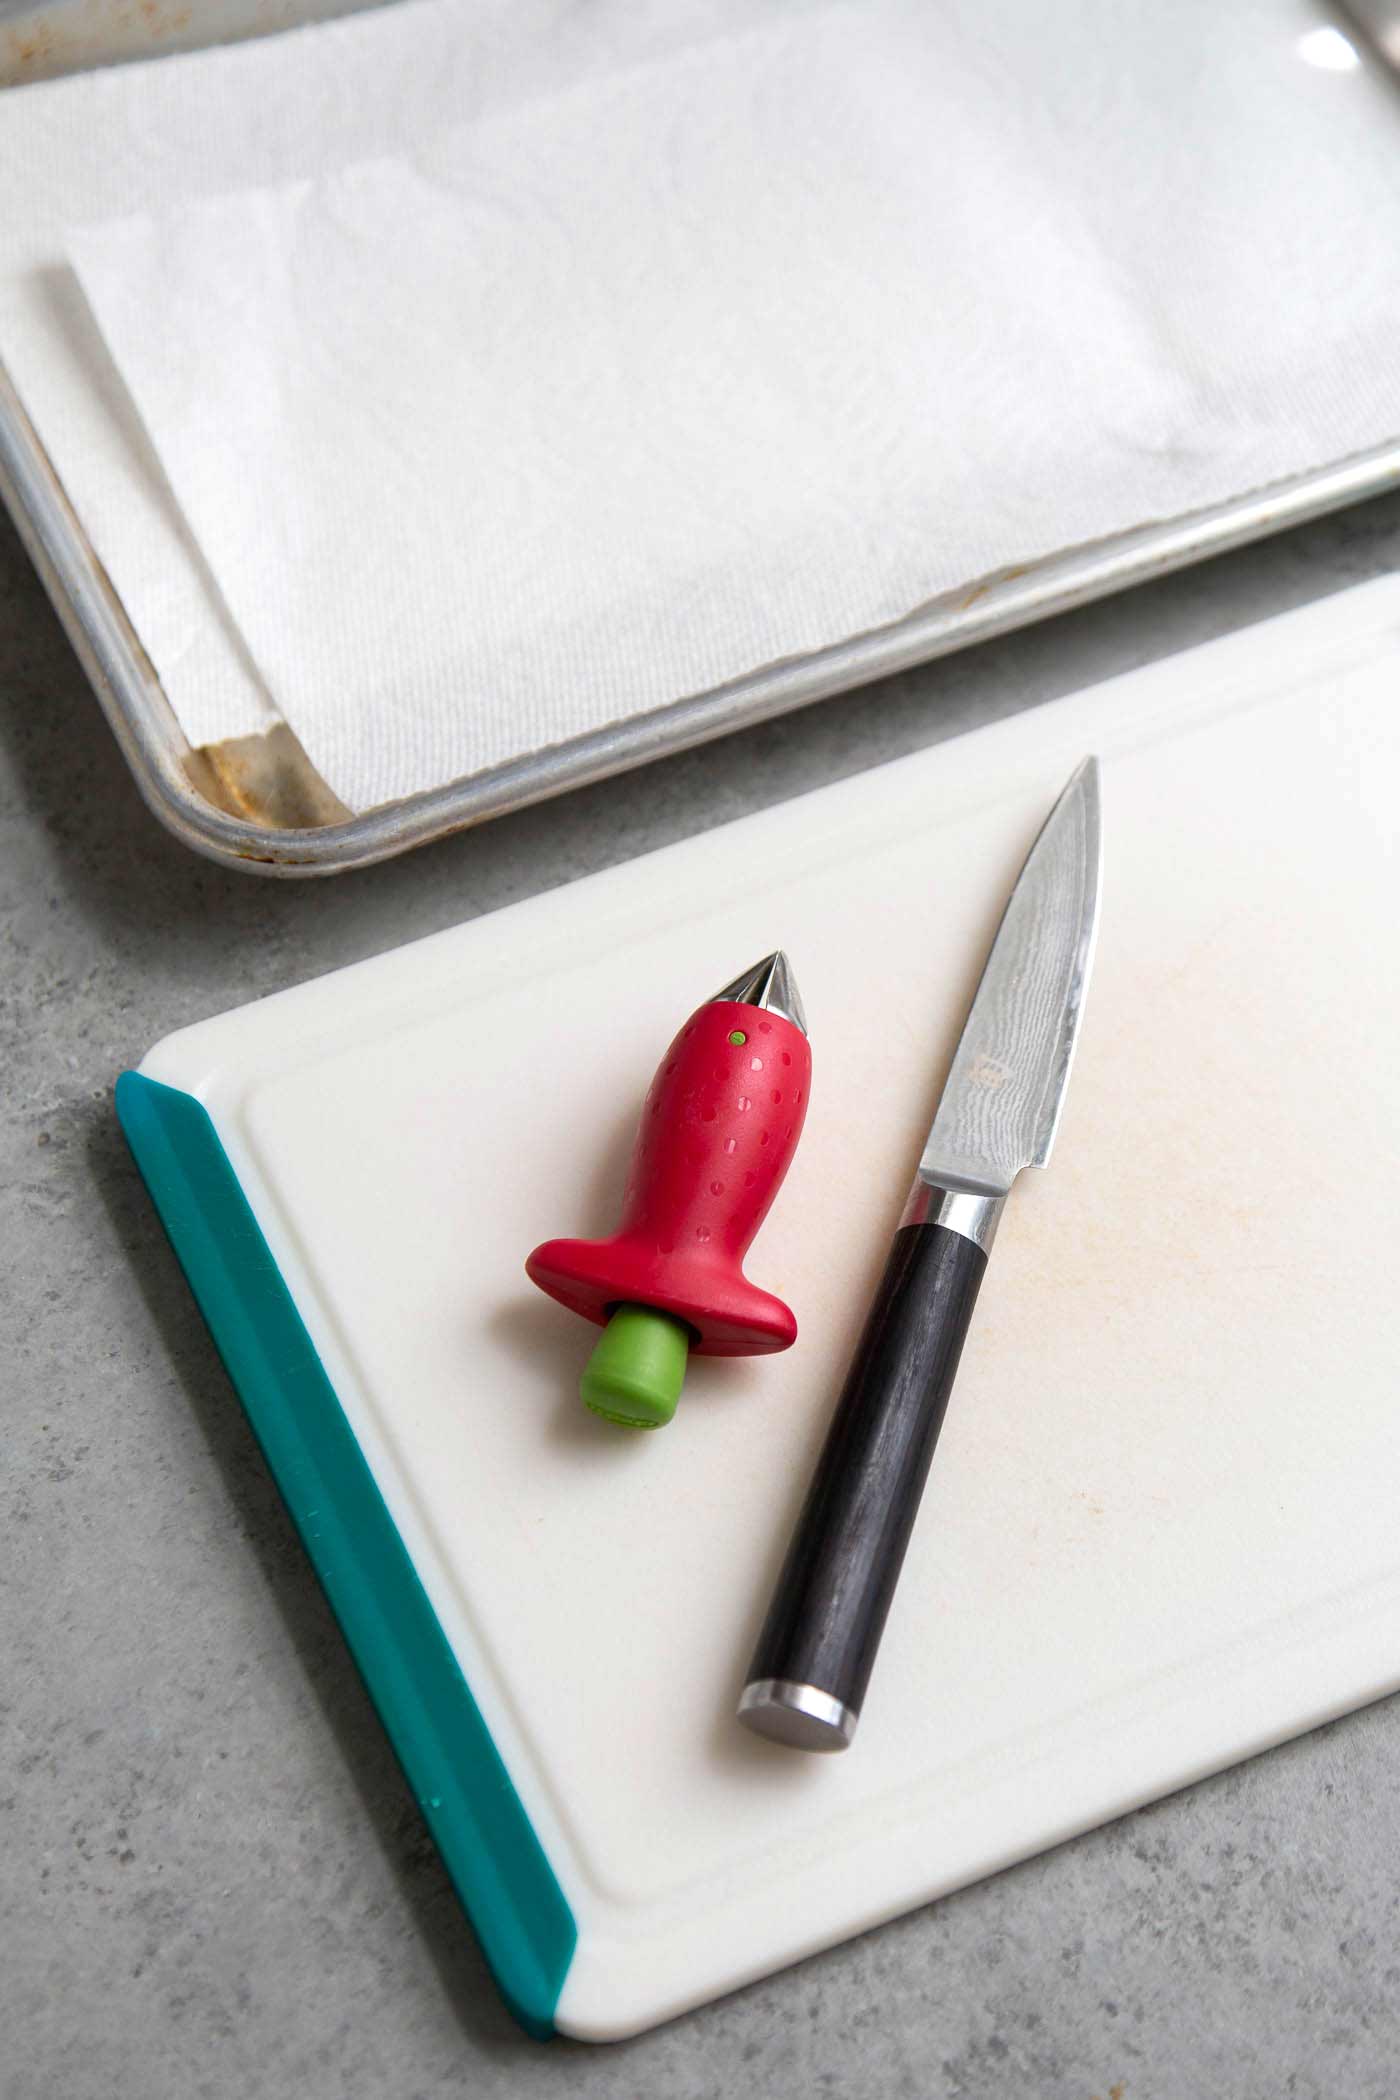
(719,1126)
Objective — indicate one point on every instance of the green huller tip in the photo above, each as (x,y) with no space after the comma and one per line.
(636,1372)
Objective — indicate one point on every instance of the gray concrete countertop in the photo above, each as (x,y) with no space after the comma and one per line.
(213,1880)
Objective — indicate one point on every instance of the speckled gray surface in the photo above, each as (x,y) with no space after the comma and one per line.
(212,1878)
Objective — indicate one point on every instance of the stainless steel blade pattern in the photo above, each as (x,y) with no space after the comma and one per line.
(1001,1101)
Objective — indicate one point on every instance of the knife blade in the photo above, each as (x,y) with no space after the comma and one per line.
(998,1113)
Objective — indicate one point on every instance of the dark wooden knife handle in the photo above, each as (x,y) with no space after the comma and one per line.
(827,1615)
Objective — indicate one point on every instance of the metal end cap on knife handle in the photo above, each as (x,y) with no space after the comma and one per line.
(771,985)
(797,1715)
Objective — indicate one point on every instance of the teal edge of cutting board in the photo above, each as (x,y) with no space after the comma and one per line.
(491,1851)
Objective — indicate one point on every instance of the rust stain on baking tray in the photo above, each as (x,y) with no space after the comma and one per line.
(265,779)
(988,583)
(68,36)
(48,40)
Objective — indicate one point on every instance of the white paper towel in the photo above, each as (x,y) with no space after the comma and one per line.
(651,363)
(142,137)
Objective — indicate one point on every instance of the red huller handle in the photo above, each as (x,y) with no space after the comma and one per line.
(719,1125)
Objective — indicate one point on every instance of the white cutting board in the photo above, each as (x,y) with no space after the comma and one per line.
(1160,1532)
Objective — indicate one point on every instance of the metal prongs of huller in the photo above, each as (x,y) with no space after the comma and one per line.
(770,985)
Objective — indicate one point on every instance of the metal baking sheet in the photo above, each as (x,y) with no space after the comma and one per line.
(263,809)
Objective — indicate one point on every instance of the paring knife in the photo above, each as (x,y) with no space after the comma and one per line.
(998,1113)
